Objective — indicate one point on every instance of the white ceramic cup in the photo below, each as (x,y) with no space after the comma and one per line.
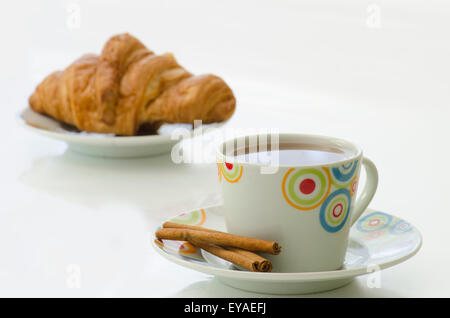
(270,201)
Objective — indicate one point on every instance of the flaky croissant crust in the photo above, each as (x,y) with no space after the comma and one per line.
(128,86)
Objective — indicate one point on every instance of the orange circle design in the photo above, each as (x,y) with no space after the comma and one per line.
(203,218)
(235,180)
(353,184)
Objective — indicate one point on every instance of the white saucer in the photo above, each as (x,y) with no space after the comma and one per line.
(377,241)
(108,145)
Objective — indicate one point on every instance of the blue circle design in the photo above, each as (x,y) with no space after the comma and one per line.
(363,219)
(344,177)
(323,210)
(347,165)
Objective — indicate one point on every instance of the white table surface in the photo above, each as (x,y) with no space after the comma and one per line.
(373,72)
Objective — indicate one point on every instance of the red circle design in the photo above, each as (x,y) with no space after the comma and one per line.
(229,165)
(307,186)
(340,211)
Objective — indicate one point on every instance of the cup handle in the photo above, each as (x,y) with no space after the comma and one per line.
(368,191)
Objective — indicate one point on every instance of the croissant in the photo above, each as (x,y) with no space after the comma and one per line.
(127,87)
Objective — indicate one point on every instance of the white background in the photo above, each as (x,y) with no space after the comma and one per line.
(374,72)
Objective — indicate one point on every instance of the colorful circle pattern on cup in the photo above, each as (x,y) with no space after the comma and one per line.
(342,175)
(335,210)
(354,186)
(232,172)
(331,189)
(374,222)
(306,189)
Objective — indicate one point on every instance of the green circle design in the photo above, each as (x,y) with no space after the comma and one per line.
(295,176)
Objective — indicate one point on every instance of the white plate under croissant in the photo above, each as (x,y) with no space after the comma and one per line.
(109,145)
(125,102)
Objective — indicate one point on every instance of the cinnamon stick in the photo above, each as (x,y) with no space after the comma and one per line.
(174,225)
(169,224)
(262,264)
(219,238)
(231,256)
